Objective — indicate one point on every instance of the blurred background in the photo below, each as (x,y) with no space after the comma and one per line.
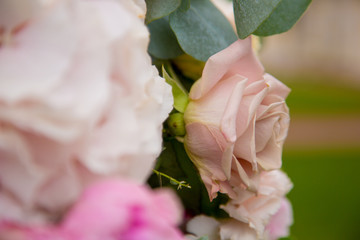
(319,59)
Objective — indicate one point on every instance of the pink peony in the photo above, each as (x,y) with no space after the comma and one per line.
(124,210)
(236,121)
(79,101)
(111,210)
(258,209)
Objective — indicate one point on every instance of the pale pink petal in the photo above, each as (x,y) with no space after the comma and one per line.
(245,178)
(238,58)
(245,145)
(205,149)
(257,208)
(280,222)
(276,87)
(262,133)
(42,51)
(211,107)
(249,105)
(227,159)
(202,225)
(16,12)
(17,170)
(228,121)
(269,158)
(236,230)
(74,107)
(235,98)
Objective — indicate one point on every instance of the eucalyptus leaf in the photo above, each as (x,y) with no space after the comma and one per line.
(250,14)
(163,42)
(201,29)
(157,9)
(283,17)
(180,95)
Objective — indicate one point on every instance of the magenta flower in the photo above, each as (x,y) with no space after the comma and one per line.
(111,210)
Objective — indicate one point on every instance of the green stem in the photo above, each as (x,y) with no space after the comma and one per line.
(173,180)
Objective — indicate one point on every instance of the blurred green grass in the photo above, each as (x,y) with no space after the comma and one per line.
(326,193)
(322,95)
(326,196)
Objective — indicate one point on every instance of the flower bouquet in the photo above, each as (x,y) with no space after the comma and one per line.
(142,120)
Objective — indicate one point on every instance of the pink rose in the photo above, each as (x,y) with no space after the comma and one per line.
(236,121)
(79,101)
(202,225)
(112,210)
(223,229)
(280,222)
(261,208)
(263,215)
(236,230)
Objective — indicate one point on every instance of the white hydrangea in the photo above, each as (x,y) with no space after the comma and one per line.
(79,101)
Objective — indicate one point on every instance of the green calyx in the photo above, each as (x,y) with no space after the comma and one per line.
(176,124)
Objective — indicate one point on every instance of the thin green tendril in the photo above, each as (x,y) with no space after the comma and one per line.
(173,181)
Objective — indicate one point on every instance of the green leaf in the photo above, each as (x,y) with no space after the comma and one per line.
(174,162)
(163,42)
(201,30)
(283,17)
(250,14)
(267,17)
(206,207)
(180,95)
(157,9)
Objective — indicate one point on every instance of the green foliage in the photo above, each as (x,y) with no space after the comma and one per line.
(163,42)
(321,95)
(174,162)
(180,95)
(267,17)
(283,17)
(157,9)
(201,29)
(250,14)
